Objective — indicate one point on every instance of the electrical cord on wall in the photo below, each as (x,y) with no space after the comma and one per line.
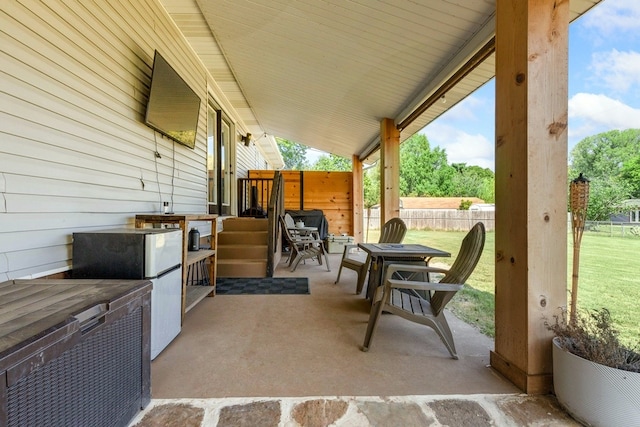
(156,157)
(173,172)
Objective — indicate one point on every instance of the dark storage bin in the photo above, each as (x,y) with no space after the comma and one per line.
(74,352)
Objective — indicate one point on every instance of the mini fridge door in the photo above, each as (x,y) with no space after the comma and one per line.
(163,251)
(166,310)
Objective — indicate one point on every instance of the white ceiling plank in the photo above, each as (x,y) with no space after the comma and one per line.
(324,73)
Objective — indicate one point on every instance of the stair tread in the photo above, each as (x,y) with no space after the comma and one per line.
(253,245)
(242,232)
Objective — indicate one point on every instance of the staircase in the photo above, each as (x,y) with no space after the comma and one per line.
(242,248)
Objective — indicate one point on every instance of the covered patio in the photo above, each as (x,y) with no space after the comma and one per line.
(241,352)
(344,77)
(357,79)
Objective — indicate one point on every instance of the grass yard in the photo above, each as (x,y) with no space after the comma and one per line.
(609,277)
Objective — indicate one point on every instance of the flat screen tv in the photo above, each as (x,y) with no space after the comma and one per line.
(173,107)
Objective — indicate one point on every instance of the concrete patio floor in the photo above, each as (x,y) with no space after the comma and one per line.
(287,360)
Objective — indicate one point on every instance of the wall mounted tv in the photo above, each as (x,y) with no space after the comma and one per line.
(173,107)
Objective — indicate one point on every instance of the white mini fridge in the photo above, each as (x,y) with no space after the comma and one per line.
(138,253)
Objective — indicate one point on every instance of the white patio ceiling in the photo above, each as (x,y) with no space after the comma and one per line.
(325,72)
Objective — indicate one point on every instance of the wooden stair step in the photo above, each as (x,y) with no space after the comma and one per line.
(245,224)
(242,251)
(246,237)
(241,268)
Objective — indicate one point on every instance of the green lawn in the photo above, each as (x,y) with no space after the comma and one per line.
(609,277)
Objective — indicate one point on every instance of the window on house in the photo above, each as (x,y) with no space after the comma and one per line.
(218,161)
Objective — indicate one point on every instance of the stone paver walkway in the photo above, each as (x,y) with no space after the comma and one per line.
(406,411)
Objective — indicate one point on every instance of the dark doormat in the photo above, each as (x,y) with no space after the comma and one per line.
(262,286)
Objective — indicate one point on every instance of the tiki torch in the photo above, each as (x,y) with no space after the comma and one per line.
(579,200)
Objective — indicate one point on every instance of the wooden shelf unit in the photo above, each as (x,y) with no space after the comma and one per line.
(191,295)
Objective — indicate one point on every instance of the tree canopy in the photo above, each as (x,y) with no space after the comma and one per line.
(332,163)
(424,171)
(611,162)
(293,154)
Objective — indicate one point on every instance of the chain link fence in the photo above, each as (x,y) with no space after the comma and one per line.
(613,229)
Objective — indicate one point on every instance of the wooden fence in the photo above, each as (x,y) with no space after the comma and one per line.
(331,193)
(328,191)
(436,219)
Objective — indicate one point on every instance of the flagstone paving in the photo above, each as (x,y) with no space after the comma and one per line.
(406,411)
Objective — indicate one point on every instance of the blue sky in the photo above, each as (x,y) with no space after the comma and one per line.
(604,87)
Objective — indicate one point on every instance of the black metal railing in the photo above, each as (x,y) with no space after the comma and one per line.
(253,196)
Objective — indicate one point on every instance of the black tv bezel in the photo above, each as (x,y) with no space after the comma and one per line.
(159,128)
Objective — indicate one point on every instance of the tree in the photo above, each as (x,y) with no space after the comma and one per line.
(604,154)
(371,190)
(371,186)
(605,195)
(293,154)
(424,171)
(473,181)
(610,160)
(631,174)
(332,163)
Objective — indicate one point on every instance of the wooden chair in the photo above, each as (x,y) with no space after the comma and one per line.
(303,247)
(393,231)
(422,301)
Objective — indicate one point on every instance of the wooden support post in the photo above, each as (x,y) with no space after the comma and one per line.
(389,171)
(357,200)
(531,181)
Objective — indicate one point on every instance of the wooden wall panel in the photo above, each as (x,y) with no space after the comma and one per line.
(327,191)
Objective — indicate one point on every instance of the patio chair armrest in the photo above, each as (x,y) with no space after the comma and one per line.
(409,268)
(347,248)
(424,286)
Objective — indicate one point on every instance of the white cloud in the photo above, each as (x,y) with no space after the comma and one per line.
(590,114)
(614,17)
(467,109)
(618,71)
(603,110)
(461,147)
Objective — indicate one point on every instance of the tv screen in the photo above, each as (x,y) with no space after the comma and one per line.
(173,107)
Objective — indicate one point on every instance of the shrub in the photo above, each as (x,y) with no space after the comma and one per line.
(592,336)
(465,205)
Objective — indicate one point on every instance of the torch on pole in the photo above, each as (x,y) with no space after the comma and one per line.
(579,200)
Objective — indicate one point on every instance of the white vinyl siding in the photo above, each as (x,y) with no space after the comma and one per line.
(248,158)
(75,153)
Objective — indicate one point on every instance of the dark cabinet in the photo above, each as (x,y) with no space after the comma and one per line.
(74,352)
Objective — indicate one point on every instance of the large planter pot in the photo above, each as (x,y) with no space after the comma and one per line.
(594,394)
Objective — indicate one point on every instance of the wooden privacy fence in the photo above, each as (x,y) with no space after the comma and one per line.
(436,219)
(328,191)
(331,193)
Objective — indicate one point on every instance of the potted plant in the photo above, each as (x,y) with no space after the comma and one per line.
(595,378)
